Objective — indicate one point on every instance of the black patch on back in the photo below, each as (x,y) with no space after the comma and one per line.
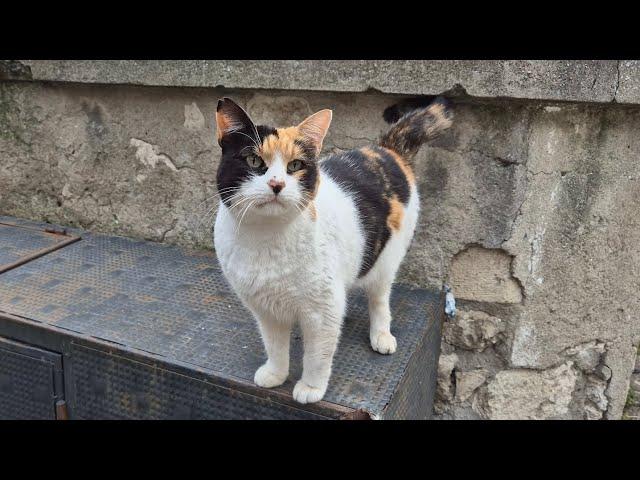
(373,184)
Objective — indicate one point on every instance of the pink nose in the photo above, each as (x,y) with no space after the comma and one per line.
(276,185)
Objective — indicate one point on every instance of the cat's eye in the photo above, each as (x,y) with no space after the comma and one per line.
(294,166)
(254,161)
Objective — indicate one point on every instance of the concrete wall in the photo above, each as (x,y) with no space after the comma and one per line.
(530,202)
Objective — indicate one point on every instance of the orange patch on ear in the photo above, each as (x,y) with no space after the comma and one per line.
(396,214)
(229,117)
(404,166)
(223,125)
(314,128)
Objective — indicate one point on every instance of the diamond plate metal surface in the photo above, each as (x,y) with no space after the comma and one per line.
(175,303)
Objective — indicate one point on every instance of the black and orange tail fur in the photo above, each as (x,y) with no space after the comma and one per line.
(414,122)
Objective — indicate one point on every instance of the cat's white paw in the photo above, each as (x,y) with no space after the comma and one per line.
(383,342)
(268,378)
(303,393)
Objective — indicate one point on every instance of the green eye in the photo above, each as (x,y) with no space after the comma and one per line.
(254,162)
(294,166)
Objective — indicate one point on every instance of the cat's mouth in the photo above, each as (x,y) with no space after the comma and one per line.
(271,201)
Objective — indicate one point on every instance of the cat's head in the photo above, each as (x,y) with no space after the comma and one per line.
(265,172)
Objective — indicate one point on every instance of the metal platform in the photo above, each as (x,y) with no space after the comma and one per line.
(147,330)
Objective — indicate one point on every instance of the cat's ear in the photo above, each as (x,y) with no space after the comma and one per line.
(230,117)
(314,128)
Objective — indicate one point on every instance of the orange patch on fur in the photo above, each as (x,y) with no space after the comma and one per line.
(396,214)
(284,144)
(404,166)
(441,120)
(436,109)
(369,153)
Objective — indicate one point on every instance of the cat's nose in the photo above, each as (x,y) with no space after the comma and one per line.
(276,185)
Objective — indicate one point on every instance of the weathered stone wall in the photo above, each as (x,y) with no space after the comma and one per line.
(529,209)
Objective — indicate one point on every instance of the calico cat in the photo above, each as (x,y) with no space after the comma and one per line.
(294,232)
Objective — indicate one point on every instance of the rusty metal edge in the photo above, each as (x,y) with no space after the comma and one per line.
(359,414)
(61,410)
(42,228)
(39,253)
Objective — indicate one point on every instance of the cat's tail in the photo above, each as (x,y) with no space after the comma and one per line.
(415,121)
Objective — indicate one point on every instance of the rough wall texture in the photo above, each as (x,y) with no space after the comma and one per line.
(593,81)
(529,210)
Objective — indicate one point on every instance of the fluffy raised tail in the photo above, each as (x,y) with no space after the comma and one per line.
(415,124)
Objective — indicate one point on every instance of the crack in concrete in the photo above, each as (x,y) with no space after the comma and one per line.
(615,93)
(505,162)
(513,223)
(165,232)
(187,167)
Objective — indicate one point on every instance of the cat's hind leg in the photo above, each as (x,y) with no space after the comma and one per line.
(276,338)
(379,293)
(378,282)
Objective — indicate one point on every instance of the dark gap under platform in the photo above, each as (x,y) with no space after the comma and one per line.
(117,328)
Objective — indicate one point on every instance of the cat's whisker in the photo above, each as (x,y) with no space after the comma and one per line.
(243,214)
(249,146)
(255,142)
(202,205)
(231,200)
(239,202)
(211,212)
(258,141)
(298,208)
(216,195)
(203,218)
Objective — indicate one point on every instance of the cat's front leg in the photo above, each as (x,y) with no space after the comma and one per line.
(275,336)
(321,332)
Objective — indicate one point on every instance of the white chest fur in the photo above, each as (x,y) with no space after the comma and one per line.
(285,271)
